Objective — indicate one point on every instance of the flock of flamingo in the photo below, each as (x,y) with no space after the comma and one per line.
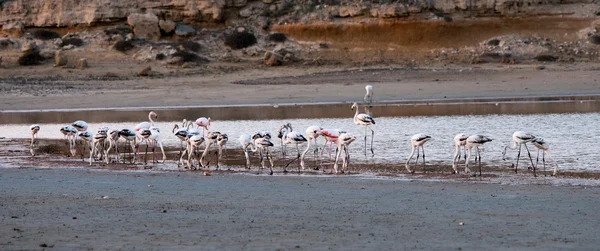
(191,138)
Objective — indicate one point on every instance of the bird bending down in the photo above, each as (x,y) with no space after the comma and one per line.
(331,136)
(417,141)
(87,138)
(69,132)
(113,140)
(474,141)
(81,126)
(130,139)
(263,145)
(520,138)
(211,138)
(543,146)
(248,140)
(460,140)
(194,141)
(292,137)
(98,145)
(343,141)
(147,131)
(33,129)
(365,120)
(311,134)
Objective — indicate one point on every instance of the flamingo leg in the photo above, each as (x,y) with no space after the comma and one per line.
(315,154)
(365,141)
(407,165)
(337,156)
(529,154)
(479,155)
(456,158)
(467,170)
(300,162)
(518,156)
(423,150)
(372,137)
(270,160)
(247,157)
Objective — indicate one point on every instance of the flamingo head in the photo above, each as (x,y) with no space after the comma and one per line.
(153,114)
(176,127)
(354,105)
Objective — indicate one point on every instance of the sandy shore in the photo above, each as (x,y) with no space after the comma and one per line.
(302,84)
(102,210)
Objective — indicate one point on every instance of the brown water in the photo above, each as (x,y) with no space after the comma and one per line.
(533,105)
(433,34)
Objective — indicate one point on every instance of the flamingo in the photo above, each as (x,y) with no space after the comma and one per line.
(130,137)
(343,141)
(81,126)
(191,131)
(248,140)
(311,134)
(291,137)
(204,123)
(520,138)
(331,136)
(98,144)
(369,95)
(69,132)
(460,140)
(283,129)
(366,121)
(87,138)
(34,129)
(417,141)
(474,141)
(543,146)
(181,134)
(263,144)
(368,98)
(194,142)
(214,138)
(146,130)
(113,139)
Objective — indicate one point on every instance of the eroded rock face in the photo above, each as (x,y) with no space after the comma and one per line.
(48,13)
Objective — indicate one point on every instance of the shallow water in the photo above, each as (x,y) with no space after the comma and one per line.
(573,138)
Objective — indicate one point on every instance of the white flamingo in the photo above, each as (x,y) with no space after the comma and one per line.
(543,146)
(33,129)
(263,144)
(520,138)
(417,141)
(81,126)
(98,144)
(69,133)
(130,139)
(113,140)
(204,123)
(87,138)
(216,138)
(194,142)
(343,141)
(248,140)
(311,134)
(292,137)
(283,129)
(368,98)
(460,140)
(191,131)
(475,141)
(365,120)
(181,133)
(369,95)
(146,130)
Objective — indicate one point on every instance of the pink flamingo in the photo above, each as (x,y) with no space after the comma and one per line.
(417,141)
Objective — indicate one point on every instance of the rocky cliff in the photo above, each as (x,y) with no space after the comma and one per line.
(61,13)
